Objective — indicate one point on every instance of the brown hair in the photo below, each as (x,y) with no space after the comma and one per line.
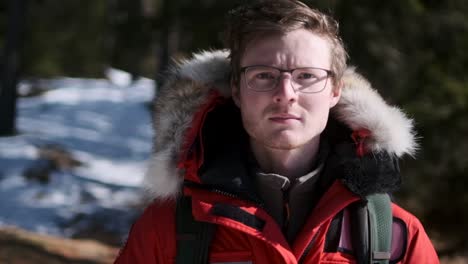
(264,17)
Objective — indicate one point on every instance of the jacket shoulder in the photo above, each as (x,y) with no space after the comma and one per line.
(413,224)
(403,214)
(419,248)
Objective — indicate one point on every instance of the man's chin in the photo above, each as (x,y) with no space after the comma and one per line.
(287,143)
(281,140)
(284,145)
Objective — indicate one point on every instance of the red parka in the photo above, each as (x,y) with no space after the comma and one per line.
(197,130)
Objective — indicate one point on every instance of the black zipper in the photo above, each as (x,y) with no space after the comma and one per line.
(286,211)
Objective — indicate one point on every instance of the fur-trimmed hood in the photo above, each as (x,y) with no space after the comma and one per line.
(191,83)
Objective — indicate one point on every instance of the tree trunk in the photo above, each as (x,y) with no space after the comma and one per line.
(169,23)
(11,65)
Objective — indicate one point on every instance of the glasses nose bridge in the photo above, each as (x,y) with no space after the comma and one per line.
(285,71)
(291,81)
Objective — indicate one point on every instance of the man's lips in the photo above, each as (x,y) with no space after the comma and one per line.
(284,118)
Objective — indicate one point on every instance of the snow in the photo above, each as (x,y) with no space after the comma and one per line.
(106,125)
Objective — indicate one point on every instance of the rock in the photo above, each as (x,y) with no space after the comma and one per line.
(106,225)
(52,157)
(39,170)
(59,156)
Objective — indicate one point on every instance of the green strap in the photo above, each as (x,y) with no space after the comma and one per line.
(371,229)
(193,237)
(380,227)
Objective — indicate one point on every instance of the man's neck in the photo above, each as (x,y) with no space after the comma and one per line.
(291,163)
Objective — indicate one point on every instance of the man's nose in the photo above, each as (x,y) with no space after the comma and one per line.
(284,91)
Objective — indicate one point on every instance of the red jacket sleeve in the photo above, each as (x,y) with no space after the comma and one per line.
(152,237)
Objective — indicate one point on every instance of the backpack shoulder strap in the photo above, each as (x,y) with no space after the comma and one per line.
(371,229)
(193,237)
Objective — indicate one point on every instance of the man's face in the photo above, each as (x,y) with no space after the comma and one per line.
(284,118)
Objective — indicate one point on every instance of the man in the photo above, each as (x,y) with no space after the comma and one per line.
(260,158)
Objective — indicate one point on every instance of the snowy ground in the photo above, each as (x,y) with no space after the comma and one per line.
(104,124)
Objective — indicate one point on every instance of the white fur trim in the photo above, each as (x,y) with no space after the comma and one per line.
(361,107)
(210,67)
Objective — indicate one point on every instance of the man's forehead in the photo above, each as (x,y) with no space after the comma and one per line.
(292,49)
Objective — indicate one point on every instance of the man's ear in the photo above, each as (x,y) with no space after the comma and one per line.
(235,93)
(336,93)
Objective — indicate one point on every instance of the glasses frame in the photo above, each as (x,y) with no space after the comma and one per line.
(290,71)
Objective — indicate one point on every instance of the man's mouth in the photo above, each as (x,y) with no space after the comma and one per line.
(283,118)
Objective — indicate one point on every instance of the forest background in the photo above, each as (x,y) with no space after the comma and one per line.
(413,52)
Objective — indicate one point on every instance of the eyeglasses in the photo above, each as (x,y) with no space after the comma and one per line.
(266,78)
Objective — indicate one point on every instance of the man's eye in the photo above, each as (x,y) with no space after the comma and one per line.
(306,75)
(265,75)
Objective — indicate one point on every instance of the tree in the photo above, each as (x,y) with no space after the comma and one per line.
(11,65)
